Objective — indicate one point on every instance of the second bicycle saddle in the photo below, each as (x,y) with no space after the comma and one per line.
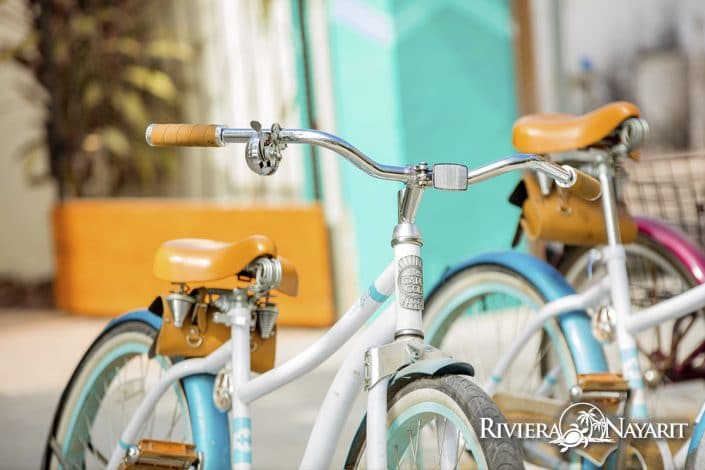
(192,260)
(547,133)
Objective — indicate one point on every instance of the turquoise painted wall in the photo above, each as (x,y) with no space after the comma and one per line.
(426,80)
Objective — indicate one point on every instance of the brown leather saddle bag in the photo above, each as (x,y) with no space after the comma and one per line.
(564,218)
(199,336)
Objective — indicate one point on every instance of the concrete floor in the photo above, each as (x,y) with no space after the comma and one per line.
(41,348)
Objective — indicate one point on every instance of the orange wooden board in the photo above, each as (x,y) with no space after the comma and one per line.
(105,248)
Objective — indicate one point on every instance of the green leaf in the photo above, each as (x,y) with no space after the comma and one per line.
(33,161)
(154,82)
(115,141)
(168,49)
(128,46)
(92,95)
(83,25)
(27,45)
(144,167)
(31,149)
(131,106)
(60,51)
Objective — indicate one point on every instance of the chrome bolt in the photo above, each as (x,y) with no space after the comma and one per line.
(133,453)
(576,393)
(652,377)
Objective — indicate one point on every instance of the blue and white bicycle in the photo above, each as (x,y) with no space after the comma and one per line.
(127,406)
(548,338)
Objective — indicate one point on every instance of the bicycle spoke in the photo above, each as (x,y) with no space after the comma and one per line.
(678,332)
(174,416)
(440,438)
(411,447)
(96,453)
(396,454)
(416,444)
(458,450)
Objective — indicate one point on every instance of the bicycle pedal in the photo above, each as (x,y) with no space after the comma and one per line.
(610,392)
(161,455)
(602,382)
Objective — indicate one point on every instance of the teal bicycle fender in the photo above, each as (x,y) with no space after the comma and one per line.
(697,437)
(210,426)
(586,350)
(432,368)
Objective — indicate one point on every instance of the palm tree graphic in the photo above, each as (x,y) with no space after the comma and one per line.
(587,428)
(587,418)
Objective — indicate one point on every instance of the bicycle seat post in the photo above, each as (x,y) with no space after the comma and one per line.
(615,256)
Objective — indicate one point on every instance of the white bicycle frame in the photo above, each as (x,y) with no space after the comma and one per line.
(344,388)
(613,286)
(333,412)
(401,322)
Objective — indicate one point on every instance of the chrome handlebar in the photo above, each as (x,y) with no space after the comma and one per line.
(270,143)
(265,146)
(563,175)
(276,139)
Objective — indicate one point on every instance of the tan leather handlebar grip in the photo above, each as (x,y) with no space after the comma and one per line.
(183,135)
(585,186)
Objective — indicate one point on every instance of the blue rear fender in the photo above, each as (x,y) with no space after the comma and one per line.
(209,426)
(587,352)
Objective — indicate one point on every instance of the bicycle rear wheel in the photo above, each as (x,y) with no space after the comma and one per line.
(478,313)
(435,422)
(476,316)
(655,275)
(107,386)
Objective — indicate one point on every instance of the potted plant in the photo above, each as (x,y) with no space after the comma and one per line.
(104,70)
(109,68)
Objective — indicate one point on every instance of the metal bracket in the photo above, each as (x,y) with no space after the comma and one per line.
(450,177)
(383,361)
(223,390)
(225,304)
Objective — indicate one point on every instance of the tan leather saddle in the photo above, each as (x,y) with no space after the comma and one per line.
(556,216)
(195,260)
(548,133)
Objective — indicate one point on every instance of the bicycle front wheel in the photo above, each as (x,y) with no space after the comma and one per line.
(103,393)
(436,423)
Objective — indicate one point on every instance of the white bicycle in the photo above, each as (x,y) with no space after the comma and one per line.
(554,338)
(131,403)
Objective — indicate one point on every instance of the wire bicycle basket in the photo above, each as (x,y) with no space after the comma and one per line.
(670,188)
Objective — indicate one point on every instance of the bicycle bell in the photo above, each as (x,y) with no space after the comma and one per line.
(263,154)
